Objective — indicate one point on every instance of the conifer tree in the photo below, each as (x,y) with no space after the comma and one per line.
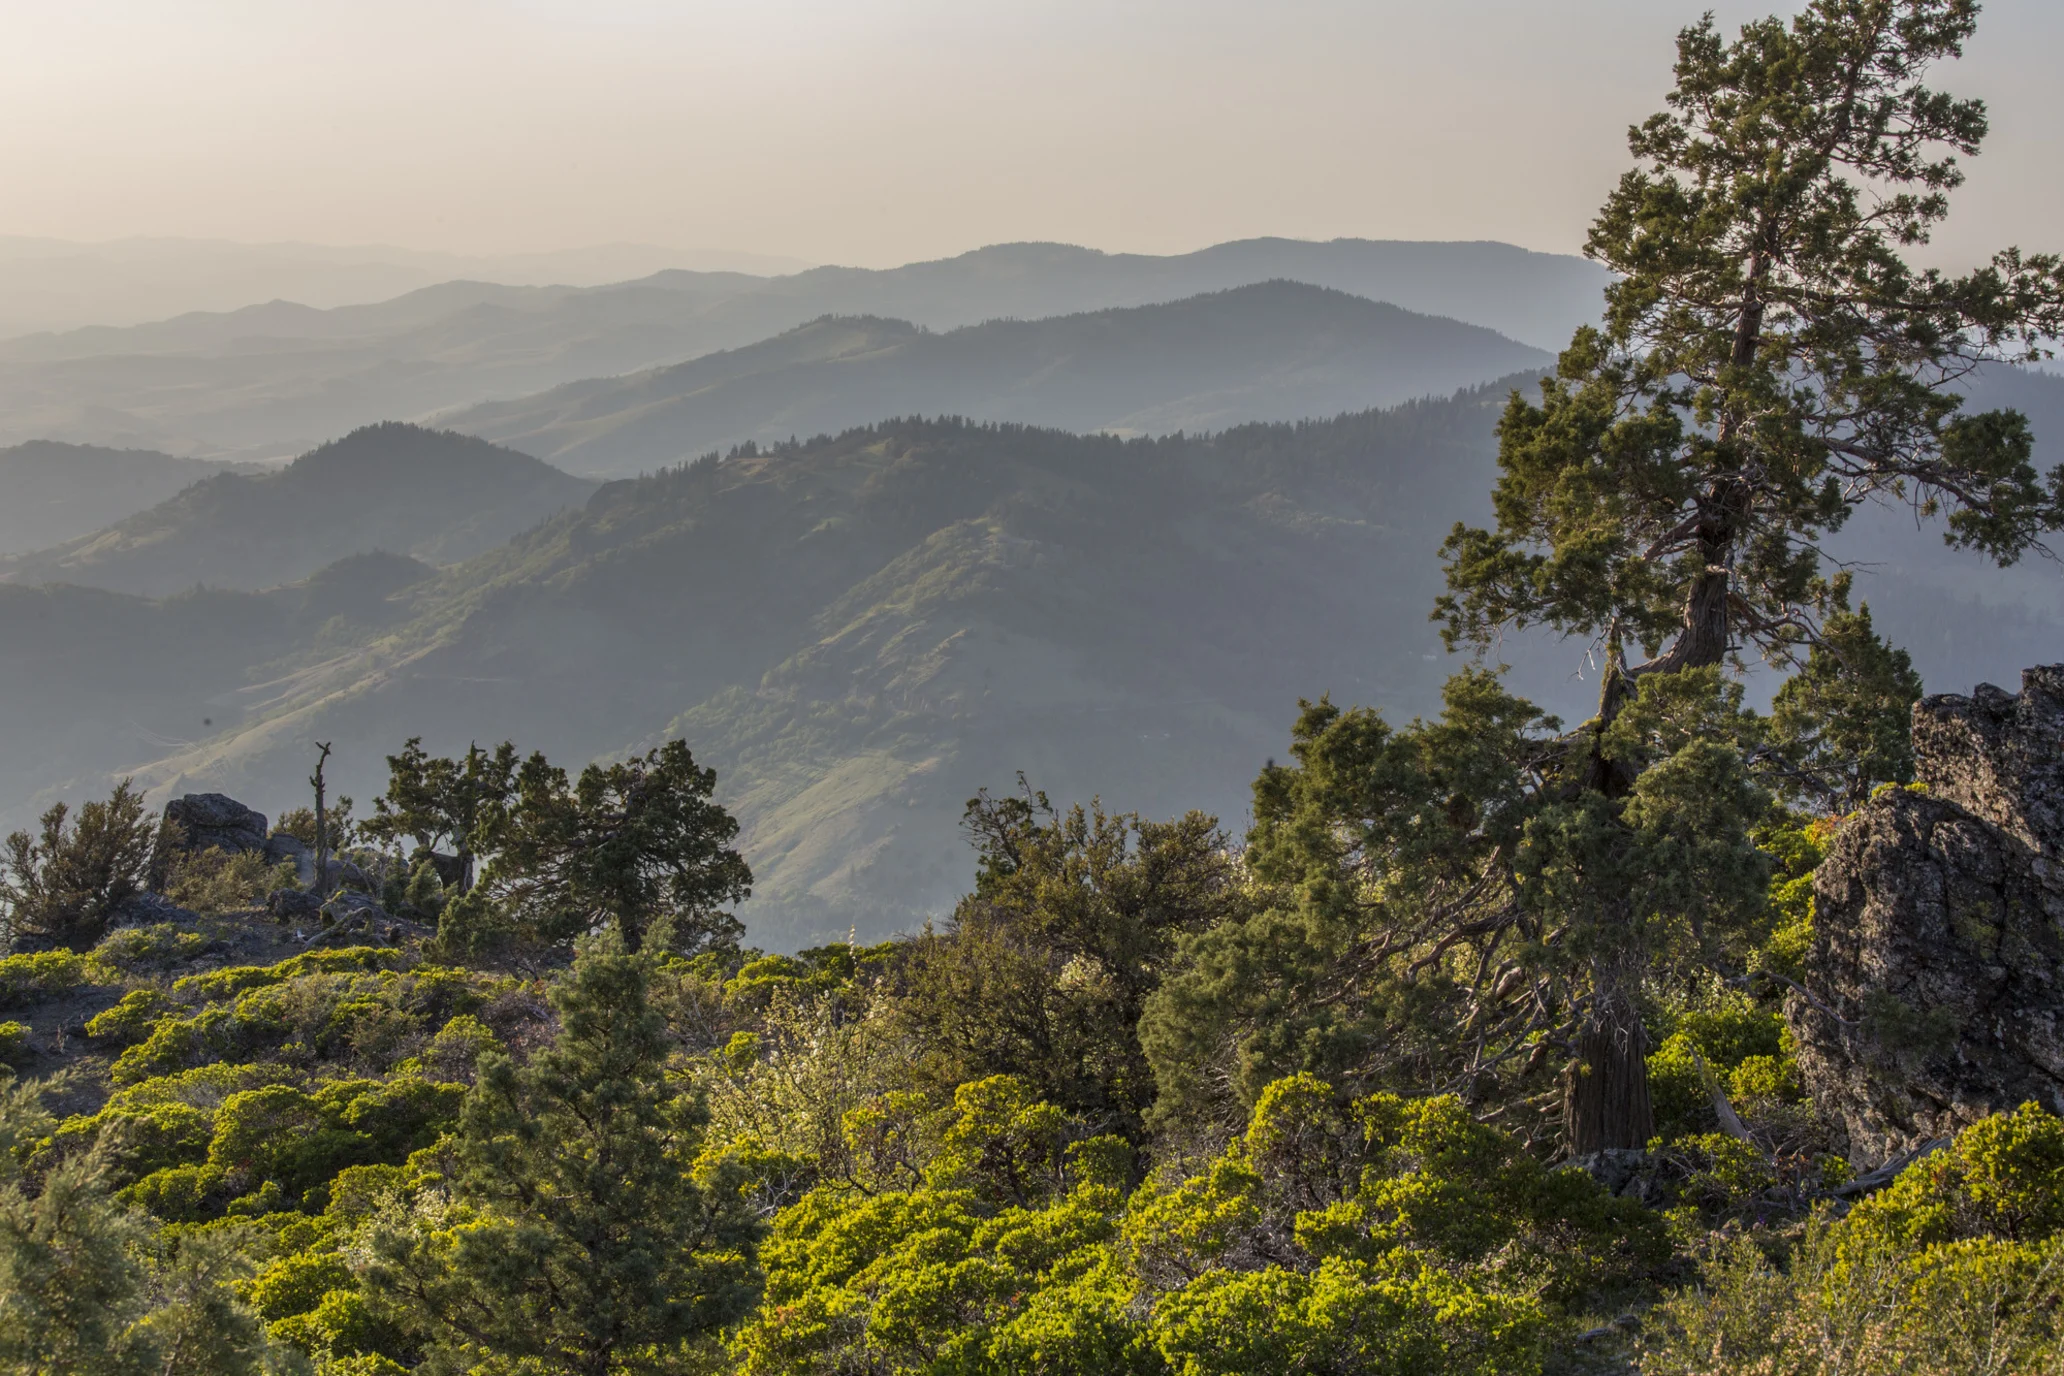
(70,1281)
(639,844)
(1767,362)
(432,799)
(576,1238)
(1844,723)
(85,1287)
(63,882)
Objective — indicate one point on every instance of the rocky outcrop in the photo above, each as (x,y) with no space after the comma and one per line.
(1935,983)
(215,820)
(199,822)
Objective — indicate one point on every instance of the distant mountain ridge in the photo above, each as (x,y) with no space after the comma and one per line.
(60,284)
(276,379)
(51,492)
(1276,350)
(396,488)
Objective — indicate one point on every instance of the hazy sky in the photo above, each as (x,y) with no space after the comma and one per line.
(879,131)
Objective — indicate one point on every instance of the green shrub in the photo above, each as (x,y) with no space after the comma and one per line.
(341,1325)
(296,1284)
(175,1044)
(324,1005)
(14,1041)
(180,1194)
(1391,1235)
(132,1019)
(213,881)
(424,895)
(222,984)
(454,1053)
(29,978)
(156,947)
(2001,1177)
(64,882)
(1957,1267)
(1746,1052)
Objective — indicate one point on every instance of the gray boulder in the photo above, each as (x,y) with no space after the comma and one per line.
(1935,983)
(289,905)
(216,819)
(284,845)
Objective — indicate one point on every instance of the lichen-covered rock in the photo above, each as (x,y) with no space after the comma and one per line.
(1936,978)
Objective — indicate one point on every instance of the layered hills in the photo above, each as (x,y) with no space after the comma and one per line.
(860,631)
(274,379)
(52,492)
(1272,351)
(431,495)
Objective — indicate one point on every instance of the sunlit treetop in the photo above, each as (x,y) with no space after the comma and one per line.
(1767,360)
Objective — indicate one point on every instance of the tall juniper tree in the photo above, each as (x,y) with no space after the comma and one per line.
(1767,362)
(432,799)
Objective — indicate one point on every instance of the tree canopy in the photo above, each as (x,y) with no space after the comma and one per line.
(1767,362)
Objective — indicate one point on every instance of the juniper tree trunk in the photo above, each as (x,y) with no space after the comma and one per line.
(1605,1095)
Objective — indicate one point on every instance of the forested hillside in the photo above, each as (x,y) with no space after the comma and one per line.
(1275,351)
(861,631)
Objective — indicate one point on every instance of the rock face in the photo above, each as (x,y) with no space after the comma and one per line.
(1936,976)
(216,819)
(203,820)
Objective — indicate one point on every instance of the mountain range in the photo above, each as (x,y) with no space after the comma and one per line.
(63,284)
(1272,351)
(860,631)
(392,488)
(275,379)
(859,621)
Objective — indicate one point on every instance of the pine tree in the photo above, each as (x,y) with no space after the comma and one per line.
(576,1237)
(86,1289)
(70,1280)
